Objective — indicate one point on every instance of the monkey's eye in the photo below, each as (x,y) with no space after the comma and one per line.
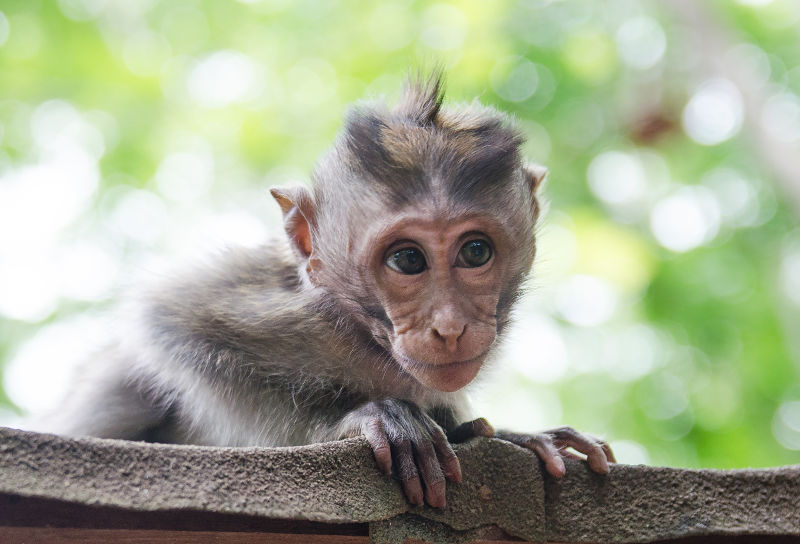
(474,253)
(408,260)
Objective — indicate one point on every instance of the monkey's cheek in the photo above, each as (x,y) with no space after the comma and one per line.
(448,378)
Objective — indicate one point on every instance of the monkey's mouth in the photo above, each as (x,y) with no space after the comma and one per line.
(442,376)
(412,363)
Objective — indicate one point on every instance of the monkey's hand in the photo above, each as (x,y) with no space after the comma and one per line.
(409,445)
(552,445)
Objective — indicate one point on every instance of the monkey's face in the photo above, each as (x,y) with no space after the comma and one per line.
(439,281)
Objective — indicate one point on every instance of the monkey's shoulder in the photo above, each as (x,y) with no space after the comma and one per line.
(270,267)
(236,289)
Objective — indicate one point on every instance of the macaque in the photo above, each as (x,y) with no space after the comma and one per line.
(384,301)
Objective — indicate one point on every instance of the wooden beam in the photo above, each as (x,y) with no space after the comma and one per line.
(146,536)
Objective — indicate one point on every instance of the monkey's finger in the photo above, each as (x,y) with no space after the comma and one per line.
(603,444)
(609,455)
(432,475)
(447,457)
(595,454)
(376,436)
(407,472)
(543,446)
(607,450)
(471,429)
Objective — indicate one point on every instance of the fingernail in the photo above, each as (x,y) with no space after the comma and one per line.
(435,495)
(558,468)
(454,471)
(484,428)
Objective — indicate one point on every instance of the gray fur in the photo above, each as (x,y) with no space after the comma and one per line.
(247,351)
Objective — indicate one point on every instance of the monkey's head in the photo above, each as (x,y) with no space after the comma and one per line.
(421,228)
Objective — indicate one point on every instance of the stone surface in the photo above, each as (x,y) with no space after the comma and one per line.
(330,482)
(638,503)
(338,482)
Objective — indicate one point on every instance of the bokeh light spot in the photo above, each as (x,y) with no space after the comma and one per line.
(617,178)
(37,377)
(686,220)
(536,349)
(662,396)
(586,301)
(781,117)
(752,60)
(714,113)
(27,290)
(223,78)
(786,425)
(641,42)
(139,216)
(185,176)
(736,194)
(87,271)
(514,78)
(631,353)
(57,127)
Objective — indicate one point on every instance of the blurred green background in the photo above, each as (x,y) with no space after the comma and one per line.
(664,313)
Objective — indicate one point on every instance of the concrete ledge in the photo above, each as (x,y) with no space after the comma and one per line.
(504,494)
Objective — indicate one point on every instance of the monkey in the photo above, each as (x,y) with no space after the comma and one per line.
(388,295)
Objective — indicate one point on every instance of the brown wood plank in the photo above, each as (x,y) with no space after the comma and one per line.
(35,535)
(16,511)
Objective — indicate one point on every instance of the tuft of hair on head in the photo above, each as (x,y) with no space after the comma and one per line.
(422,98)
(405,153)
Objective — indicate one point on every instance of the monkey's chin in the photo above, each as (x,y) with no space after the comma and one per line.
(445,377)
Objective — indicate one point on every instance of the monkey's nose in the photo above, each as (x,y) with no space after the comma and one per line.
(449,335)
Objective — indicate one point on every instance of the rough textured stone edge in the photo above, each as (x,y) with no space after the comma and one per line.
(339,482)
(332,482)
(638,503)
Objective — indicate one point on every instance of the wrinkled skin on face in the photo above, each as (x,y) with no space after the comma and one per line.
(443,307)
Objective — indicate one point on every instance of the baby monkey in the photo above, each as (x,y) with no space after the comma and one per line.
(387,297)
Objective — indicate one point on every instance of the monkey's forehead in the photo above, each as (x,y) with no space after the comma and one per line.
(408,161)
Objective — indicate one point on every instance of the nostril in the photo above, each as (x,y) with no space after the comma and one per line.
(450,336)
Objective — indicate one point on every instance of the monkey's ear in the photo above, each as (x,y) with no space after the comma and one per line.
(535,174)
(298,216)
